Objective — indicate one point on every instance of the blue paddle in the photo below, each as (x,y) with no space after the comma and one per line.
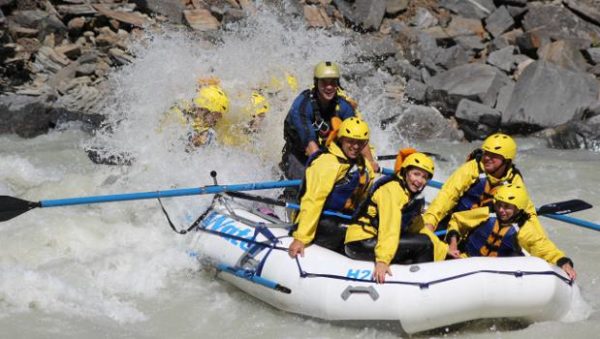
(11,207)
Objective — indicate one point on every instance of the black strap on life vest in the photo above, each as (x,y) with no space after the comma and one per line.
(363,208)
(314,157)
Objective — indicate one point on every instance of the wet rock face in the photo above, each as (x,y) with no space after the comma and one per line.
(480,65)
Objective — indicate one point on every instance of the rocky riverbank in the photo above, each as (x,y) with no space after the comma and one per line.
(460,69)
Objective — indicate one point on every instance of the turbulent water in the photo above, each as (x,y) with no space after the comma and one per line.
(117,270)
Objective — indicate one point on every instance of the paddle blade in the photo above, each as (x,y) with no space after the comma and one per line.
(564,207)
(11,207)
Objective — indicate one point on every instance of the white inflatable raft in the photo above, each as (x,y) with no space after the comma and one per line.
(249,251)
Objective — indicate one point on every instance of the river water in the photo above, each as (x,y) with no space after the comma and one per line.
(117,270)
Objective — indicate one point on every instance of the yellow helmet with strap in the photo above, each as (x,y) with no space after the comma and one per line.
(212,98)
(502,144)
(327,70)
(354,128)
(418,160)
(512,194)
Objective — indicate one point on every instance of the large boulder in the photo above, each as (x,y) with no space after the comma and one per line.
(29,116)
(552,22)
(477,120)
(564,54)
(547,95)
(424,123)
(589,9)
(575,135)
(478,82)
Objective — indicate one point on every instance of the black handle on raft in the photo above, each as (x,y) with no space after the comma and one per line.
(371,291)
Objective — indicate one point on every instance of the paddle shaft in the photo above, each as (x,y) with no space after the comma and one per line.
(212,189)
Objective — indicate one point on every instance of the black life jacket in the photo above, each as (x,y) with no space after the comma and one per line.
(412,209)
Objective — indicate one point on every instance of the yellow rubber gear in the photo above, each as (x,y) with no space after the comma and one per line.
(419,160)
(258,105)
(327,70)
(512,194)
(354,128)
(502,144)
(212,98)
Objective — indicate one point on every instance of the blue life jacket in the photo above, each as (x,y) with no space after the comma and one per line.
(491,240)
(347,190)
(305,120)
(412,209)
(481,192)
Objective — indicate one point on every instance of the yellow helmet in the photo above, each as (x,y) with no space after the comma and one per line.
(258,105)
(327,70)
(512,194)
(418,160)
(502,144)
(354,128)
(212,98)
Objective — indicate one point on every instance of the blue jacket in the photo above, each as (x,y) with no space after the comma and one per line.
(299,125)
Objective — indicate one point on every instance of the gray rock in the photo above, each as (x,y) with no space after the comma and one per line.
(367,14)
(424,19)
(477,9)
(372,47)
(588,10)
(478,113)
(559,23)
(499,22)
(416,91)
(477,120)
(470,42)
(516,12)
(575,135)
(595,70)
(424,123)
(85,69)
(30,116)
(403,68)
(477,82)
(563,53)
(594,54)
(504,96)
(23,114)
(547,95)
(393,7)
(504,59)
(520,3)
(173,9)
(506,39)
(44,22)
(448,58)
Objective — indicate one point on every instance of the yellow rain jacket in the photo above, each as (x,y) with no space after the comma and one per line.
(388,202)
(320,178)
(529,237)
(459,182)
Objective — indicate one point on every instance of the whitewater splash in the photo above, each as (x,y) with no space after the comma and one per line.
(111,262)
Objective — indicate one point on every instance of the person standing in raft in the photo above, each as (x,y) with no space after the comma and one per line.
(336,179)
(309,121)
(504,229)
(384,230)
(472,185)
